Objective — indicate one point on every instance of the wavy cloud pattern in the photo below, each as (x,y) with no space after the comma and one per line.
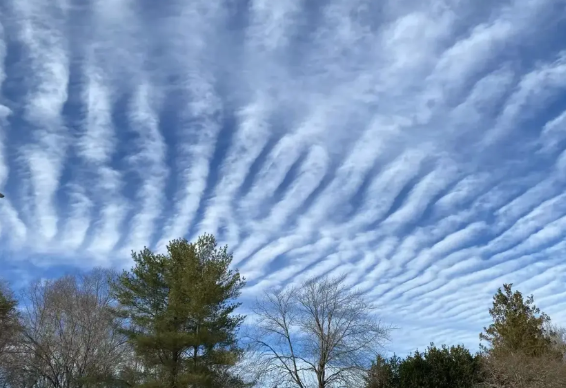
(419,147)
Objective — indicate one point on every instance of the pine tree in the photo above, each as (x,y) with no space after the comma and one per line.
(384,373)
(444,367)
(8,316)
(178,313)
(518,325)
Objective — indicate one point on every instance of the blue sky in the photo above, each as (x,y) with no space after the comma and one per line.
(418,146)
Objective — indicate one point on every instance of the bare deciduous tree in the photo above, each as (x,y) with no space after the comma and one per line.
(67,338)
(558,338)
(516,370)
(321,334)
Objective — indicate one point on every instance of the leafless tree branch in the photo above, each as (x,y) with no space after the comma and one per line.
(321,334)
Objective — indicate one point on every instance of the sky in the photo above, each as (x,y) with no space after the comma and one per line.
(419,147)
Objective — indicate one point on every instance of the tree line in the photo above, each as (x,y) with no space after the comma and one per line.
(172,321)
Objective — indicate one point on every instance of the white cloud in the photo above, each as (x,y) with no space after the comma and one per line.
(44,155)
(199,136)
(97,147)
(149,163)
(416,147)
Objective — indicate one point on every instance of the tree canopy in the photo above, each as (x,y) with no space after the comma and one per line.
(318,334)
(8,315)
(518,325)
(178,310)
(444,367)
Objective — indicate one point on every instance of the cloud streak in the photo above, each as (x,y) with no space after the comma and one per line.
(418,148)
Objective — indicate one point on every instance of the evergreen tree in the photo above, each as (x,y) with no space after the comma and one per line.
(444,367)
(9,328)
(178,313)
(518,326)
(453,367)
(8,317)
(384,373)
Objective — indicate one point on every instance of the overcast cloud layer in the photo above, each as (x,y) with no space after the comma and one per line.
(418,146)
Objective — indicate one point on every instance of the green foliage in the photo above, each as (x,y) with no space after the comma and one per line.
(453,367)
(8,316)
(518,326)
(7,307)
(384,372)
(178,312)
(8,328)
(444,367)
